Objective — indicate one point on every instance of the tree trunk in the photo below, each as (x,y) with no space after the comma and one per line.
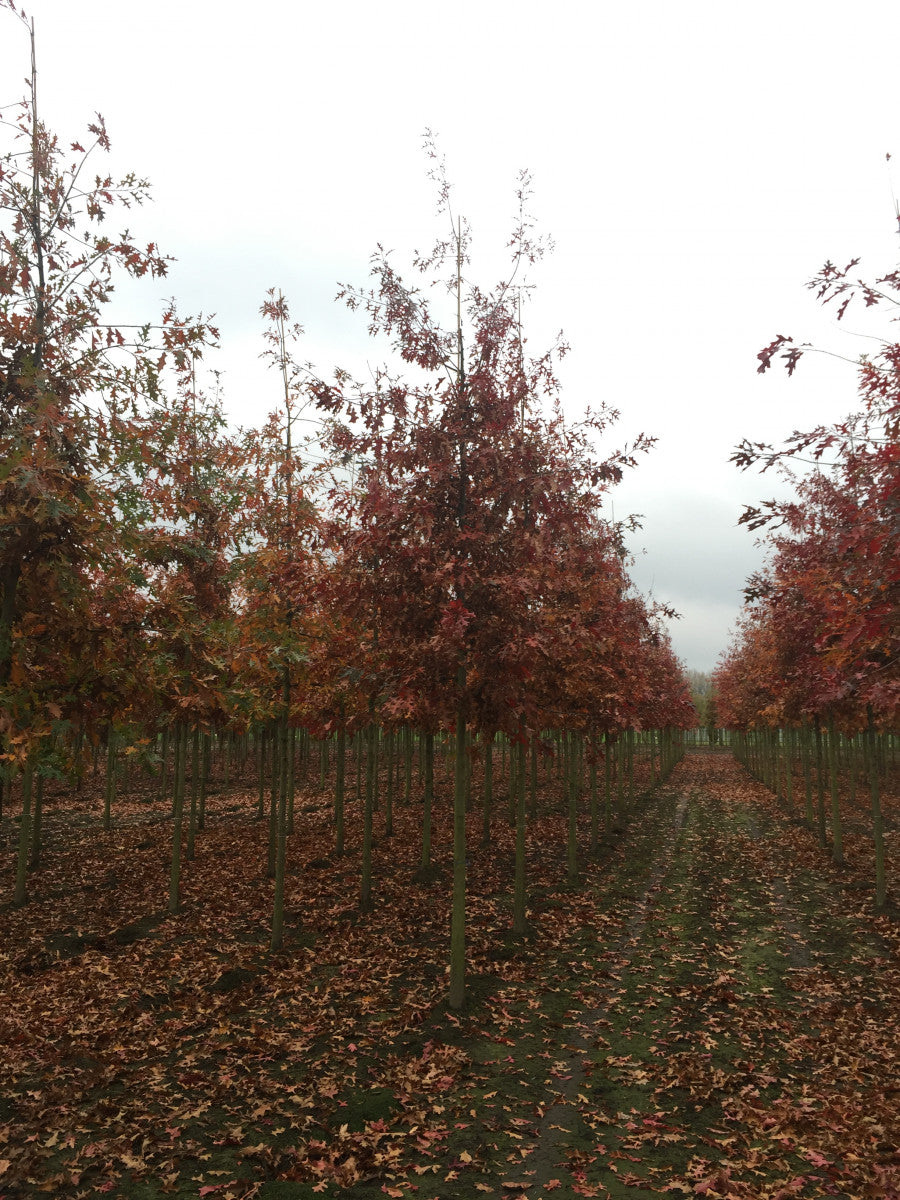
(111,764)
(427,800)
(261,756)
(837,837)
(178,816)
(204,779)
(807,778)
(20,894)
(620,782)
(877,817)
(520,925)
(629,742)
(36,832)
(365,893)
(595,815)
(164,763)
(488,789)
(407,764)
(291,780)
(820,787)
(533,781)
(358,743)
(515,761)
(195,793)
(339,774)
(458,913)
(572,782)
(277,939)
(274,789)
(607,783)
(389,785)
(789,769)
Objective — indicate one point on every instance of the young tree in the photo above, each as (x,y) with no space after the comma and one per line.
(464,491)
(72,385)
(822,641)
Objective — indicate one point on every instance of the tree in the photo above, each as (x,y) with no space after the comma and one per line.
(76,391)
(465,490)
(850,506)
(822,638)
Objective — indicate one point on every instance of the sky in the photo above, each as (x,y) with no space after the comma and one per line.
(694,163)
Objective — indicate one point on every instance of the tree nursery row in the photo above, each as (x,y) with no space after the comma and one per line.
(436,557)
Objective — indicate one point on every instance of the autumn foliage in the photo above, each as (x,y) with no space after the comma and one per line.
(438,560)
(821,637)
(279,713)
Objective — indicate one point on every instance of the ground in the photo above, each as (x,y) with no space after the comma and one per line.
(712,1011)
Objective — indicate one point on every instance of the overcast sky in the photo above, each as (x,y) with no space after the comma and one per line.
(695,163)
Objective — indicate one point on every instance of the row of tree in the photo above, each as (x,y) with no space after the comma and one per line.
(442,562)
(821,631)
(814,670)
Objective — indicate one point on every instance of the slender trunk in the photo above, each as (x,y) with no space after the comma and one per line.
(359,771)
(110,793)
(277,939)
(837,837)
(789,768)
(427,800)
(164,763)
(520,925)
(595,814)
(340,768)
(375,769)
(304,757)
(274,789)
(457,993)
(20,894)
(195,793)
(620,781)
(407,765)
(36,832)
(261,754)
(205,772)
(178,815)
(573,788)
(629,740)
(533,782)
(291,776)
(807,778)
(365,893)
(820,786)
(488,789)
(389,784)
(515,759)
(607,783)
(226,760)
(877,817)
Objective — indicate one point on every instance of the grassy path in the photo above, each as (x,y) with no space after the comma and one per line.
(712,1012)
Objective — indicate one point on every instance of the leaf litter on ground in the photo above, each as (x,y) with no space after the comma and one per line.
(711,1013)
